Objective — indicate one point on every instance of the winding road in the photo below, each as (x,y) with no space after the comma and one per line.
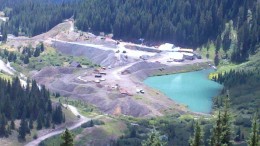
(74,110)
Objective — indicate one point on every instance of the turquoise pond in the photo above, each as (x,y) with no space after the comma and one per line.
(192,89)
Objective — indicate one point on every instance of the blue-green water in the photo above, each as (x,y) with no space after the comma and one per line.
(193,89)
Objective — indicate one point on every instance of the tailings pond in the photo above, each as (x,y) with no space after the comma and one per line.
(192,89)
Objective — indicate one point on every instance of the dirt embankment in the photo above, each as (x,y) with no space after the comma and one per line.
(96,55)
(143,70)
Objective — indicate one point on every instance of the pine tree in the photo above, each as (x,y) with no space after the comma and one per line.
(39,121)
(31,123)
(41,46)
(254,138)
(26,60)
(153,140)
(226,125)
(216,132)
(3,123)
(197,138)
(12,124)
(47,121)
(57,116)
(221,133)
(22,129)
(67,138)
(37,52)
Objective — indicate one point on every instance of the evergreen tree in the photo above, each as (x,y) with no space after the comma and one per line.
(28,104)
(57,116)
(47,121)
(153,140)
(238,135)
(216,59)
(37,52)
(31,123)
(67,138)
(3,123)
(226,40)
(226,124)
(26,60)
(254,138)
(41,46)
(222,133)
(22,129)
(12,124)
(197,139)
(39,121)
(215,139)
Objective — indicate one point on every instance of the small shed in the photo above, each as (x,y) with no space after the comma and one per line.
(75,64)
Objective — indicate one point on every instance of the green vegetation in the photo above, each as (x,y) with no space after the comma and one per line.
(83,107)
(92,123)
(186,23)
(29,58)
(57,140)
(254,138)
(101,132)
(5,77)
(197,139)
(222,129)
(153,140)
(227,31)
(28,104)
(52,58)
(67,138)
(172,129)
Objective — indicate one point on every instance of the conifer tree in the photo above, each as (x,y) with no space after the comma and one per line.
(31,123)
(3,123)
(226,124)
(197,137)
(222,133)
(22,129)
(254,137)
(153,140)
(12,124)
(39,122)
(67,138)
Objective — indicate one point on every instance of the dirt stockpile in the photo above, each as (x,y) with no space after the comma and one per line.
(95,55)
(143,70)
(66,82)
(142,49)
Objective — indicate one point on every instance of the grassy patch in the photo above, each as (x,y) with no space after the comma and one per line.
(50,57)
(56,140)
(208,49)
(83,107)
(6,77)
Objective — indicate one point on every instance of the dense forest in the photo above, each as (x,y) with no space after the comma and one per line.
(244,87)
(184,22)
(28,104)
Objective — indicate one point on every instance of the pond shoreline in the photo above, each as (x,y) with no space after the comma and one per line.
(143,74)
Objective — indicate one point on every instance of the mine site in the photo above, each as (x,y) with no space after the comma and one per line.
(129,73)
(116,85)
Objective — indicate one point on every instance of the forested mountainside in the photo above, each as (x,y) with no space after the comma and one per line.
(184,22)
(34,17)
(28,104)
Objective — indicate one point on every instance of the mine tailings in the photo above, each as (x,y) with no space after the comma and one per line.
(192,89)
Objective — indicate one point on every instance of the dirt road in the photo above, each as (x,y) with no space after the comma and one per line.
(82,120)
